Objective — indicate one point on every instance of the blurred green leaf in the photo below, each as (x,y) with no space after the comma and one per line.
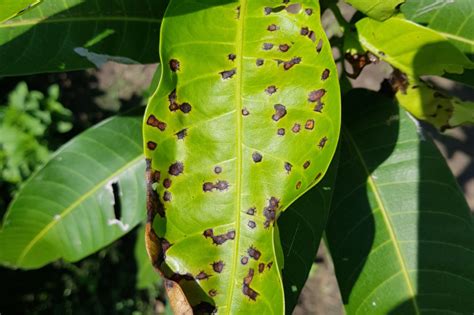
(75,34)
(88,195)
(377,9)
(452,19)
(400,232)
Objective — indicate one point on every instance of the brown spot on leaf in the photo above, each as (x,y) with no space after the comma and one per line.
(294,8)
(280,112)
(151,145)
(174,65)
(318,176)
(325,74)
(267,46)
(185,108)
(218,266)
(322,142)
(288,167)
(259,62)
(308,11)
(251,211)
(272,27)
(212,292)
(154,122)
(217,169)
(181,134)
(281,131)
(254,253)
(231,57)
(244,260)
(245,112)
(246,289)
(227,74)
(319,46)
(270,211)
(306,164)
(221,185)
(289,64)
(298,185)
(296,128)
(270,264)
(261,267)
(284,47)
(304,31)
(271,89)
(316,95)
(176,277)
(207,186)
(257,157)
(202,276)
(252,224)
(309,124)
(176,168)
(319,107)
(156,175)
(167,183)
(219,239)
(167,196)
(312,36)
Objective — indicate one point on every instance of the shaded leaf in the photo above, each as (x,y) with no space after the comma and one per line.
(452,19)
(88,195)
(13,8)
(377,9)
(245,119)
(74,34)
(400,233)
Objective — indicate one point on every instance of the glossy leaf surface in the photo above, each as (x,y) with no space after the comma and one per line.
(74,34)
(245,119)
(452,19)
(400,232)
(11,8)
(377,9)
(70,208)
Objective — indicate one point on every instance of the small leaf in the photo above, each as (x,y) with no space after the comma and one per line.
(244,121)
(400,232)
(88,195)
(377,9)
(70,35)
(452,19)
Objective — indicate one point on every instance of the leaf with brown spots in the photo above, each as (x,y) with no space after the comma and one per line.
(251,92)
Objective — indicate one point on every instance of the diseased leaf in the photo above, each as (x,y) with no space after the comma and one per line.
(12,8)
(377,9)
(400,232)
(452,19)
(301,228)
(245,119)
(88,195)
(146,274)
(411,48)
(74,34)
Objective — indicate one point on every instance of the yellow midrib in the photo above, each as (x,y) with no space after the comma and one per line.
(79,19)
(68,210)
(386,219)
(238,100)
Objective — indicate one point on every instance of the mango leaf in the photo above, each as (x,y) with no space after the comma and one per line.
(146,274)
(452,19)
(88,195)
(301,228)
(245,119)
(377,9)
(411,48)
(13,8)
(400,231)
(69,35)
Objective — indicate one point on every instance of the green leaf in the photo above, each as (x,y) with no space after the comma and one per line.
(411,48)
(400,232)
(146,274)
(245,119)
(452,19)
(66,210)
(377,9)
(301,228)
(12,8)
(74,34)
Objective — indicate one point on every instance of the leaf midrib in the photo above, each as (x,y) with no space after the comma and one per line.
(238,96)
(71,207)
(385,217)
